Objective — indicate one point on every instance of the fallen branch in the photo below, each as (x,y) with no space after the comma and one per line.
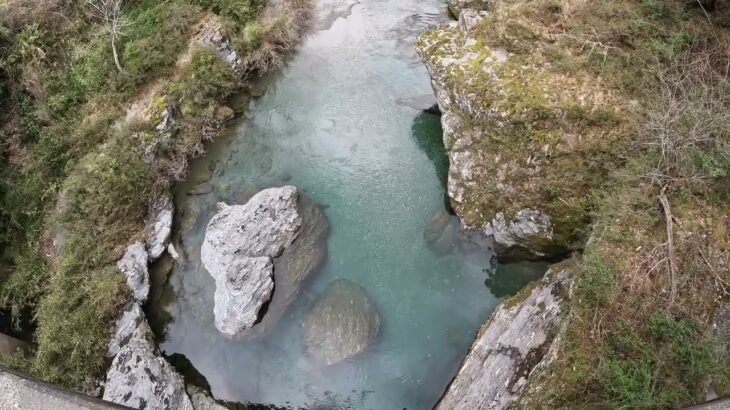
(669,246)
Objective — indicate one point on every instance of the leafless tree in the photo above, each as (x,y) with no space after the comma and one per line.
(111,13)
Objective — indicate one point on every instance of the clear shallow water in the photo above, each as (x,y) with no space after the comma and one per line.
(330,124)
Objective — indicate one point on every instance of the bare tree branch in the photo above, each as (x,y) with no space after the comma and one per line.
(111,14)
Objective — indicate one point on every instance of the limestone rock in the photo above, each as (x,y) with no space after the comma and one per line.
(514,238)
(457,6)
(140,378)
(240,292)
(342,323)
(240,241)
(134,267)
(211,35)
(472,83)
(201,400)
(126,325)
(509,346)
(296,264)
(160,225)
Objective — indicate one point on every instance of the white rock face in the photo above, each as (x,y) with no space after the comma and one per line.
(159,225)
(134,267)
(140,378)
(240,291)
(126,325)
(508,348)
(239,243)
(526,226)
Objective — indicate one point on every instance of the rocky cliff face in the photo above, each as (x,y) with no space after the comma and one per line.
(525,141)
(517,340)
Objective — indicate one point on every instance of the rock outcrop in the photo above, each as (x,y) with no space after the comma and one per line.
(524,139)
(341,324)
(126,325)
(134,267)
(456,6)
(140,378)
(510,346)
(240,242)
(159,224)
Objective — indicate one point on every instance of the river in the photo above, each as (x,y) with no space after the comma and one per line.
(341,122)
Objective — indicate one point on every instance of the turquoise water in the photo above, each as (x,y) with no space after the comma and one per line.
(330,124)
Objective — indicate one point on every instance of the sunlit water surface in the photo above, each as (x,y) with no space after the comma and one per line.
(333,123)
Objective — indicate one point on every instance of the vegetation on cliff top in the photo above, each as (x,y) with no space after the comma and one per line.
(612,116)
(72,169)
(656,272)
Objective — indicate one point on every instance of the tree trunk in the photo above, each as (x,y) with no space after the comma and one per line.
(116,57)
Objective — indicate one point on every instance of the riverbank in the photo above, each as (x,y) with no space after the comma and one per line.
(93,135)
(601,129)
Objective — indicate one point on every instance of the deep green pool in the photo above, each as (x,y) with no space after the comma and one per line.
(333,123)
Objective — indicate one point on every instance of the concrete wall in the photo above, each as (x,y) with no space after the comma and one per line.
(20,392)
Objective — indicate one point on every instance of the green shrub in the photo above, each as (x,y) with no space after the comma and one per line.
(205,81)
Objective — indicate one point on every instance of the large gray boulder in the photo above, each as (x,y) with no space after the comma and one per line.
(134,267)
(296,264)
(520,337)
(342,323)
(142,379)
(239,243)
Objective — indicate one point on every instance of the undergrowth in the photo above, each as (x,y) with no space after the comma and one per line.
(75,177)
(656,270)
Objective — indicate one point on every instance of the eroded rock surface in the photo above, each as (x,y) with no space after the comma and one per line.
(509,346)
(342,323)
(126,325)
(134,267)
(522,156)
(239,243)
(142,379)
(457,6)
(296,264)
(159,224)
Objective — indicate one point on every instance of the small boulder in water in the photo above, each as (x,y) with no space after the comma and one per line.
(342,323)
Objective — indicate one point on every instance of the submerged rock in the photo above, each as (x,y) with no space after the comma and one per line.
(342,323)
(159,225)
(202,401)
(240,241)
(441,232)
(134,267)
(509,346)
(142,379)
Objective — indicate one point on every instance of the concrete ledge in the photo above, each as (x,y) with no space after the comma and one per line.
(20,392)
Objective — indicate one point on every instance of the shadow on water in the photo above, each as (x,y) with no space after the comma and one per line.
(508,279)
(427,131)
